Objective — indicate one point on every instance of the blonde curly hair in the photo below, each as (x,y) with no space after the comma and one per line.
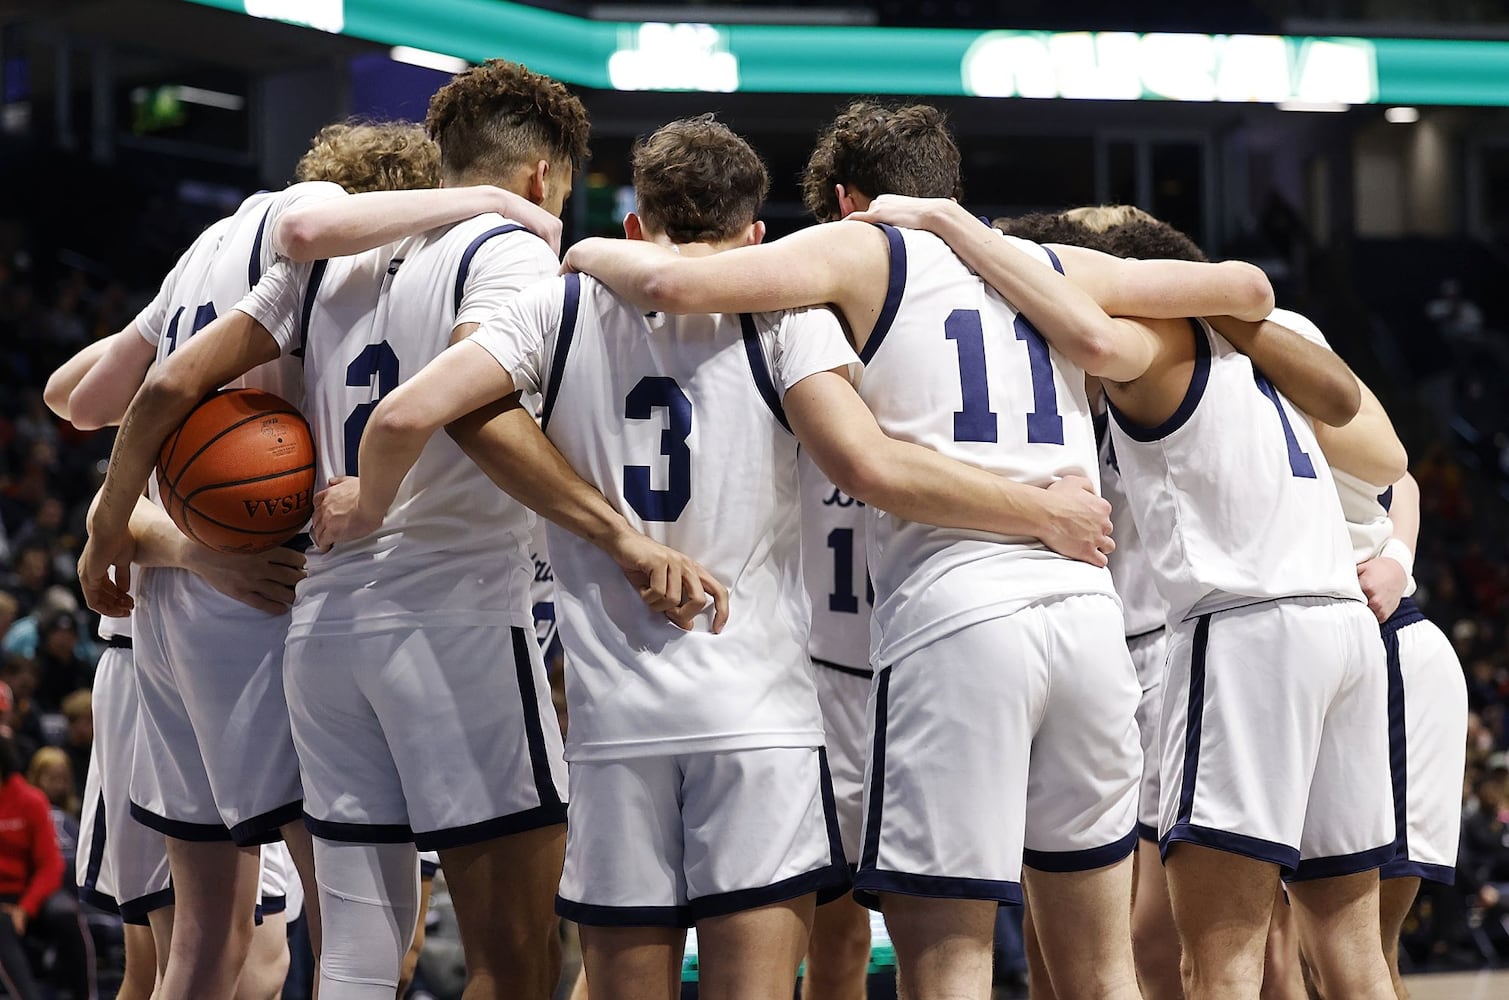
(372,156)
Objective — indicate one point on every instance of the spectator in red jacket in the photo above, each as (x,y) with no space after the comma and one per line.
(31,869)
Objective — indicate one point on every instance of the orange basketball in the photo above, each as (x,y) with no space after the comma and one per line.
(238,473)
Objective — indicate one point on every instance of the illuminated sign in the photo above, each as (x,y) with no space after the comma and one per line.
(1123,66)
(822,59)
(674,57)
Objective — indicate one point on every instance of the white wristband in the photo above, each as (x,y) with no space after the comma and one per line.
(1399,552)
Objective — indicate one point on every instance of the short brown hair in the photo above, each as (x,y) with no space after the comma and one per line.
(494,118)
(372,156)
(878,150)
(1119,230)
(698,182)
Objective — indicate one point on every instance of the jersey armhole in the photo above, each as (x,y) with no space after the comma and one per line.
(471,251)
(316,276)
(760,369)
(570,303)
(894,290)
(254,266)
(1192,395)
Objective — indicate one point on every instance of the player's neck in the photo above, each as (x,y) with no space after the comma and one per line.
(695,249)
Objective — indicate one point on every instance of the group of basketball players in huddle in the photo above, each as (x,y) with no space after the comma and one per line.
(736,444)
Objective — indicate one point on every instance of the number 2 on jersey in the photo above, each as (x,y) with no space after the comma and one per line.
(659,392)
(376,364)
(975,421)
(1299,462)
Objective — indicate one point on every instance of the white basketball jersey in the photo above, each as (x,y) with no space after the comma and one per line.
(1142,607)
(1233,499)
(836,571)
(678,420)
(211,277)
(954,367)
(453,548)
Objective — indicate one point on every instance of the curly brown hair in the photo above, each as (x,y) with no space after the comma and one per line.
(494,118)
(371,156)
(1119,230)
(878,149)
(697,181)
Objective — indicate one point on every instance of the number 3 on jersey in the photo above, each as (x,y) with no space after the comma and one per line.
(375,367)
(975,421)
(651,393)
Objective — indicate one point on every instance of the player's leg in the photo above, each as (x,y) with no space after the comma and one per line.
(1155,940)
(1338,923)
(429,863)
(300,847)
(371,897)
(945,798)
(1395,897)
(754,953)
(267,963)
(140,974)
(760,839)
(160,922)
(838,955)
(1039,983)
(623,881)
(216,882)
(632,963)
(502,891)
(1222,933)
(1082,800)
(1283,973)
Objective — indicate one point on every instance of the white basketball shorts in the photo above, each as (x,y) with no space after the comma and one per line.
(1149,651)
(214,756)
(1274,745)
(122,865)
(1427,713)
(445,737)
(844,694)
(668,841)
(1007,742)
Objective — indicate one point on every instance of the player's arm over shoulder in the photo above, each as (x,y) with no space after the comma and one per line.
(1168,289)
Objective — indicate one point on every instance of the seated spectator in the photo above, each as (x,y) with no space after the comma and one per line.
(31,869)
(19,675)
(61,670)
(78,711)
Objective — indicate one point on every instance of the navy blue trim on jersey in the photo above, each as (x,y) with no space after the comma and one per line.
(1197,381)
(830,876)
(830,816)
(534,730)
(1271,851)
(316,276)
(869,854)
(895,288)
(134,911)
(1148,833)
(273,905)
(267,827)
(119,642)
(761,371)
(96,854)
(1082,861)
(870,882)
(491,829)
(1194,720)
(199,833)
(622,916)
(1405,868)
(428,868)
(1342,864)
(471,251)
(1398,743)
(864,672)
(99,900)
(254,268)
(570,302)
(1052,258)
(359,833)
(1386,500)
(1407,613)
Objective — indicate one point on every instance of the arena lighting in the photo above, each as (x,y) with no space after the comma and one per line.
(827,59)
(1402,115)
(429,60)
(210,98)
(1327,107)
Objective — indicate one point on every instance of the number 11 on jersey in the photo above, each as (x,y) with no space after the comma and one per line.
(975,420)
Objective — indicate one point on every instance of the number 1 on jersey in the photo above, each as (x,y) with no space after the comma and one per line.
(1299,462)
(844,599)
(975,421)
